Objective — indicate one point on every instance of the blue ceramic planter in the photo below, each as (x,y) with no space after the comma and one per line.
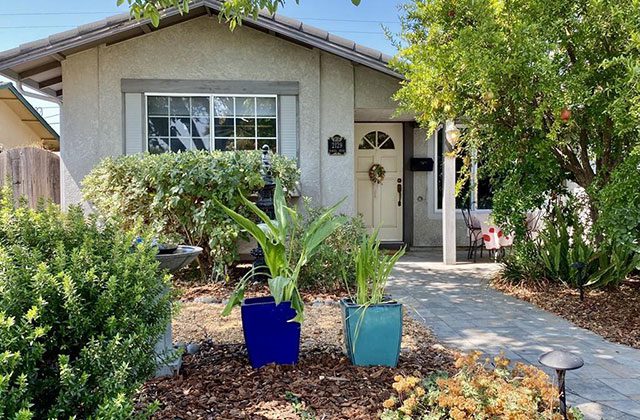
(372,335)
(269,337)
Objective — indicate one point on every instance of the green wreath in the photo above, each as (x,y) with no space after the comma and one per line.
(376,173)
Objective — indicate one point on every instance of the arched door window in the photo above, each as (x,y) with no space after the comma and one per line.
(376,140)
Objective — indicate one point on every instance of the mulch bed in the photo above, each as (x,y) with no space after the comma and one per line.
(218,383)
(613,314)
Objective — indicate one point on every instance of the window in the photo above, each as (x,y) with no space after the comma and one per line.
(476,193)
(376,140)
(205,122)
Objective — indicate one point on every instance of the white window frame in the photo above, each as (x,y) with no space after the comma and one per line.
(212,116)
(474,179)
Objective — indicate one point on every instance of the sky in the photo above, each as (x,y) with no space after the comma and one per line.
(30,20)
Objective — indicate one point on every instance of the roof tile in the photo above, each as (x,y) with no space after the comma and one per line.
(369,52)
(347,43)
(62,36)
(93,26)
(294,23)
(313,31)
(33,45)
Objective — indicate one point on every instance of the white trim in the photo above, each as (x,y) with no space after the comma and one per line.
(212,136)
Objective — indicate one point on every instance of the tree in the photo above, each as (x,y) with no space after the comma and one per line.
(549,90)
(233,11)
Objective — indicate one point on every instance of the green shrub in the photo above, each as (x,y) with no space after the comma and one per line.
(523,264)
(562,245)
(174,193)
(619,204)
(80,312)
(333,265)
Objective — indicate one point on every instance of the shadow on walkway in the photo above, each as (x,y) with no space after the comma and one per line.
(464,312)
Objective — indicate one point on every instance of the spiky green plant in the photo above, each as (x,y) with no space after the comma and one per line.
(373,267)
(276,237)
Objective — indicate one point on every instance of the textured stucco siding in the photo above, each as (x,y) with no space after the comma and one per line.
(80,146)
(14,132)
(336,117)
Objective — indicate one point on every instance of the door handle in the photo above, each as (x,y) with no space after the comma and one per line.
(399,192)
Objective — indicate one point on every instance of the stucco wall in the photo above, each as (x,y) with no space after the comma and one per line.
(336,117)
(13,132)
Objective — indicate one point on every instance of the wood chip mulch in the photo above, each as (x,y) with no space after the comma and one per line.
(218,382)
(613,314)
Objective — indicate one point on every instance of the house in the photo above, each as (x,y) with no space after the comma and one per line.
(127,87)
(21,125)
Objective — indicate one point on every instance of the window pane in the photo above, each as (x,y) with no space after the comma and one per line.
(157,145)
(200,107)
(200,127)
(246,144)
(484,200)
(158,105)
(179,106)
(180,145)
(223,127)
(269,142)
(158,127)
(266,127)
(245,107)
(200,144)
(266,107)
(223,106)
(224,144)
(385,142)
(245,127)
(180,127)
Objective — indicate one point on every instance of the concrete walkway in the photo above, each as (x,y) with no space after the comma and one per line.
(465,313)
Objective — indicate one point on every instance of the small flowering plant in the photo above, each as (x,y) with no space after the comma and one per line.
(487,389)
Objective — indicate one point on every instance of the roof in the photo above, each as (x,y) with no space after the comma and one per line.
(11,97)
(37,63)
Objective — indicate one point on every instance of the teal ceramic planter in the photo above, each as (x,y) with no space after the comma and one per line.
(373,335)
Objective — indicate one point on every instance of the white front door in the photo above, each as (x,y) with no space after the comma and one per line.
(380,204)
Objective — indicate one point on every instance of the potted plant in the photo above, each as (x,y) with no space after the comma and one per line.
(372,321)
(271,325)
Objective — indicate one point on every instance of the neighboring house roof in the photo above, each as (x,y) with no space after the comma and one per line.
(37,63)
(11,97)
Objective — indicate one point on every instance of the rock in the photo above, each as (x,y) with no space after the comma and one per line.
(206,299)
(193,348)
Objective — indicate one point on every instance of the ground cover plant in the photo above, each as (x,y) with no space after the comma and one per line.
(174,193)
(482,389)
(80,311)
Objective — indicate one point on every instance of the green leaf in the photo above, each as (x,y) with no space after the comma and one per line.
(234,300)
(277,286)
(355,2)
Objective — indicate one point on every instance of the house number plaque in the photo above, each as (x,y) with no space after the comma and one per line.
(337,145)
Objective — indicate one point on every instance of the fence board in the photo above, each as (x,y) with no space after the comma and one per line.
(33,172)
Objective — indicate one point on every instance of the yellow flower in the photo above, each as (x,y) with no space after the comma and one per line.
(389,403)
(419,391)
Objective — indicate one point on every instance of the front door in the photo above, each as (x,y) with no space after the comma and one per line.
(379,201)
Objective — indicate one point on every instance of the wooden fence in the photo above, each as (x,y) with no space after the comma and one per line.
(33,172)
